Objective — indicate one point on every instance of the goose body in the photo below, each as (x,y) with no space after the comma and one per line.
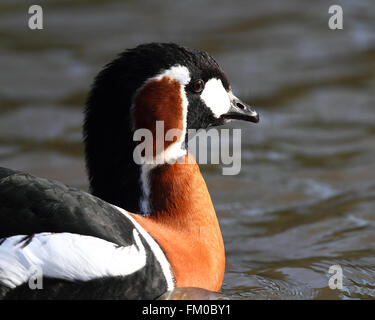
(144,228)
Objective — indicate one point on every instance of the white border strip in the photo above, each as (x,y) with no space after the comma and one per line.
(164,263)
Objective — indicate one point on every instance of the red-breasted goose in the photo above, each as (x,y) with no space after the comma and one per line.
(145,228)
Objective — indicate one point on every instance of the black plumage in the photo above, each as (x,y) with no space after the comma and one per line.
(113,174)
(30,205)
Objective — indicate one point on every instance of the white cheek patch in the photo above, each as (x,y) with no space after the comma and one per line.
(216,97)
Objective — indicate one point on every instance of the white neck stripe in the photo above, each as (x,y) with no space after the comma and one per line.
(175,150)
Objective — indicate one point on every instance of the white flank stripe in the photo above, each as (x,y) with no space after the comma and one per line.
(159,254)
(68,256)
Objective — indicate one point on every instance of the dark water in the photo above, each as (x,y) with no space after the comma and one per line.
(305,197)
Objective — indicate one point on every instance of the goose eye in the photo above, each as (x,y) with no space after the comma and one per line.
(198,85)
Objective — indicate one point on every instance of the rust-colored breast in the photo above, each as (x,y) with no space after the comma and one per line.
(185,225)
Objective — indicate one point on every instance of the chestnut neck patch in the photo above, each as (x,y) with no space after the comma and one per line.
(164,72)
(160,100)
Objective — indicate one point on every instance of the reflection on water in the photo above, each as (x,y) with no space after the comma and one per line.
(305,197)
(192,294)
